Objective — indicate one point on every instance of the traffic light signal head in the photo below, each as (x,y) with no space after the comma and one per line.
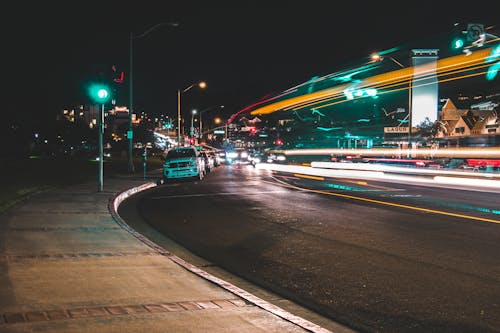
(99,93)
(457,43)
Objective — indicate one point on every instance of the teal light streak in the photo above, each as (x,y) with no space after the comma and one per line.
(347,76)
(311,85)
(461,206)
(314,111)
(345,187)
(327,129)
(394,49)
(493,69)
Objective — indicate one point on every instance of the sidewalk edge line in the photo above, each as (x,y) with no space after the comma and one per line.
(113,204)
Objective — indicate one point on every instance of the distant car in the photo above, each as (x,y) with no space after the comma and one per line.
(222,156)
(237,156)
(276,158)
(217,158)
(257,157)
(183,162)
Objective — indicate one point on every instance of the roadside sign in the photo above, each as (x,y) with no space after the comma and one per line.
(400,129)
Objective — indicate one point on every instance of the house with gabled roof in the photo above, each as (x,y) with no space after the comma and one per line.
(479,120)
(488,123)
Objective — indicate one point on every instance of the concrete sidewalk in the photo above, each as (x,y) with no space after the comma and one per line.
(68,264)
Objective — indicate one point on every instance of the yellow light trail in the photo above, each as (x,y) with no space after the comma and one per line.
(443,65)
(404,88)
(387,203)
(405,85)
(308,177)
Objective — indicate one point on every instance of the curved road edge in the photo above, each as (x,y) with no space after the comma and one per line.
(113,204)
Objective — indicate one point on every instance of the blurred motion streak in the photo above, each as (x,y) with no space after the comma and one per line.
(445,67)
(476,152)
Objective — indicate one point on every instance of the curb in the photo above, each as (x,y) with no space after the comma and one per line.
(113,204)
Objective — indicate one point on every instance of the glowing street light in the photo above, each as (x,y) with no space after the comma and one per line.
(201,116)
(201,85)
(378,57)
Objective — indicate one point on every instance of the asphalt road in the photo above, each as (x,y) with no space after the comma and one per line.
(376,257)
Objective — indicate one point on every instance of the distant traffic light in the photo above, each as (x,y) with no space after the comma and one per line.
(253,130)
(458,42)
(279,142)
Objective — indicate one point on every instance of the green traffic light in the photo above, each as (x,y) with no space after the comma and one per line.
(457,43)
(102,94)
(99,93)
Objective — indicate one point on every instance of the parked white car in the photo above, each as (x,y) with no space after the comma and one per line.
(183,162)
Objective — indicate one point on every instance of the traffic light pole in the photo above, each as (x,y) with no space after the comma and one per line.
(101,155)
(130,110)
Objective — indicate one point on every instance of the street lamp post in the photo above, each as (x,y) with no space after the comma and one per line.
(131,91)
(201,85)
(201,117)
(101,153)
(378,57)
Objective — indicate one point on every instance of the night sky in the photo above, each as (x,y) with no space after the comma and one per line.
(244,50)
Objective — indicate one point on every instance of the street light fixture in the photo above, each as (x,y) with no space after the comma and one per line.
(378,57)
(201,114)
(201,85)
(131,93)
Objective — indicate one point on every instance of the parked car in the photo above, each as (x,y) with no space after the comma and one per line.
(217,157)
(209,160)
(183,162)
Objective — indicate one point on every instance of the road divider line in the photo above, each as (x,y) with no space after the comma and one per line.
(308,177)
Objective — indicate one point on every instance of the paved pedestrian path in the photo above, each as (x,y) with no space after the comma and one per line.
(68,265)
